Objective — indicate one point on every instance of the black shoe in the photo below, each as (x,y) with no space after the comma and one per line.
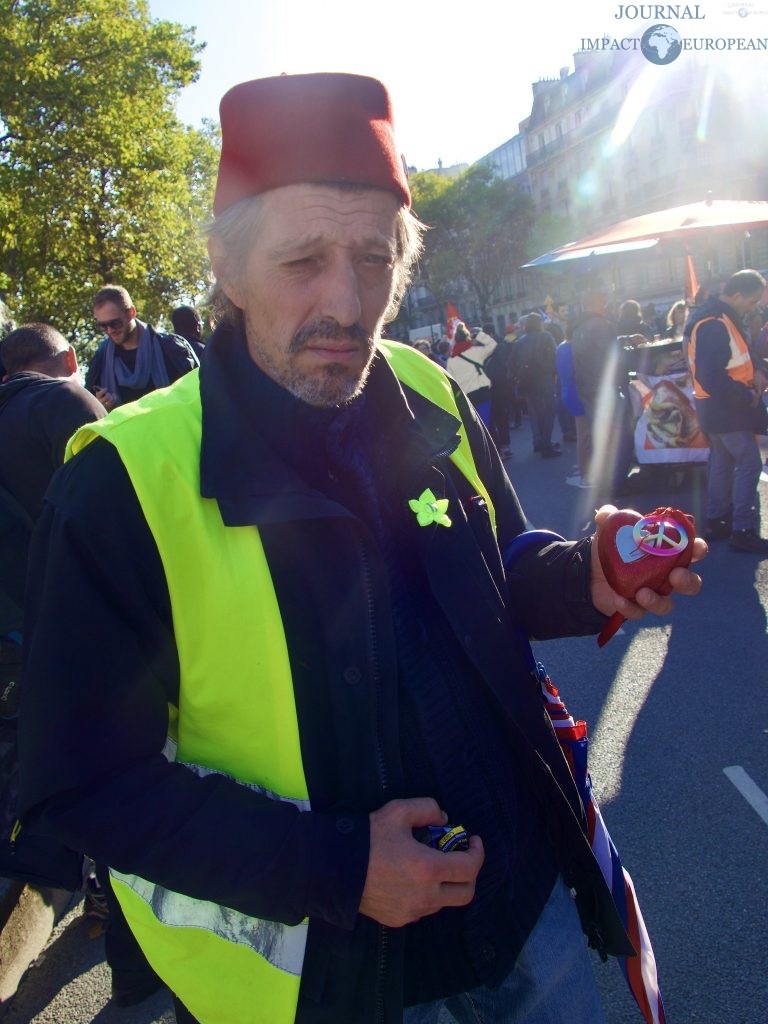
(750,541)
(718,529)
(95,903)
(129,988)
(550,453)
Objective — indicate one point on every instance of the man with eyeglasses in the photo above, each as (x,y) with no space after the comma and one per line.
(134,358)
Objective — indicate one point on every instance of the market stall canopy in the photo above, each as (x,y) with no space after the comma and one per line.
(679,222)
(566,253)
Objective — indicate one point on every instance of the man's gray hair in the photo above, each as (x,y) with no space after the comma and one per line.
(237,229)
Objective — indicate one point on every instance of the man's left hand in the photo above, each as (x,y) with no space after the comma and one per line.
(606,600)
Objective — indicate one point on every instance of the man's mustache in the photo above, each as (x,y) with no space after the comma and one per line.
(331,330)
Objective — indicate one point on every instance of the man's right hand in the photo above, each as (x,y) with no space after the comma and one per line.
(407,880)
(107,399)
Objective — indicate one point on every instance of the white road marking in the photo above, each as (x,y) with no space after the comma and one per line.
(749,789)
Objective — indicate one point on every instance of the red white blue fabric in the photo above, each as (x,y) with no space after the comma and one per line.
(639,971)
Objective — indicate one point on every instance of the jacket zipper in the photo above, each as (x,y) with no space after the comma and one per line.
(381,766)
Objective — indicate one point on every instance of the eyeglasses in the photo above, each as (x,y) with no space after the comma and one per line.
(110,325)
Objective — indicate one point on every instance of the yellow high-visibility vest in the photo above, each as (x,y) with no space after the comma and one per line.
(236,713)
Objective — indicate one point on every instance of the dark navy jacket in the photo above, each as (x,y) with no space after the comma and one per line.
(95,717)
(178,356)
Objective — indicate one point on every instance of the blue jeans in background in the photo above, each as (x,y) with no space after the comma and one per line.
(551,983)
(732,478)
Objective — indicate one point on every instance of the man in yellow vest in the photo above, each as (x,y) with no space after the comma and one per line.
(728,391)
(304,591)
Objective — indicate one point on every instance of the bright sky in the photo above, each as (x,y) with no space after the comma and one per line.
(459,71)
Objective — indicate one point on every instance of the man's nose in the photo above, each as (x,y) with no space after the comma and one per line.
(341,296)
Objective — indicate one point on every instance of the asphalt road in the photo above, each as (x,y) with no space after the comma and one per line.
(671,704)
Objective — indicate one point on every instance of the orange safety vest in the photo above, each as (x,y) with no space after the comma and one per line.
(739,365)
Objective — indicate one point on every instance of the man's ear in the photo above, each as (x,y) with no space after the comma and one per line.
(219,267)
(70,361)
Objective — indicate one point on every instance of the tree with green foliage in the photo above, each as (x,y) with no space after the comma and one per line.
(99,180)
(480,225)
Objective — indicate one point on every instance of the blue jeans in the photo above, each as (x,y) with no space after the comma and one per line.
(732,479)
(551,982)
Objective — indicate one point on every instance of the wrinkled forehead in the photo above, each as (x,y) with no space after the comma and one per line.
(309,215)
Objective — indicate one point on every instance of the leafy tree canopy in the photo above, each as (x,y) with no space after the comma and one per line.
(99,180)
(479,230)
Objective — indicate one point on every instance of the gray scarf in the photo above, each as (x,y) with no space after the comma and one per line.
(150,365)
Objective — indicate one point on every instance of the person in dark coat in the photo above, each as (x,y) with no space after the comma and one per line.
(601,362)
(188,324)
(631,321)
(42,403)
(535,371)
(380,592)
(134,358)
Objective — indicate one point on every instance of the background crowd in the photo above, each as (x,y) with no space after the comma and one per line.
(571,365)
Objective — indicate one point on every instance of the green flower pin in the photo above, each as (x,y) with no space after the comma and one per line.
(430,509)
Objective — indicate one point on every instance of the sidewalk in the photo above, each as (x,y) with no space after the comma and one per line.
(27,918)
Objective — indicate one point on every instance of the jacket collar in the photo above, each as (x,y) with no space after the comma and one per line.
(245,416)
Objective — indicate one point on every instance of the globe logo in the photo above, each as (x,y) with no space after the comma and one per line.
(661,44)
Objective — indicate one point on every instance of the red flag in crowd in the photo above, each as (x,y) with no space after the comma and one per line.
(452,318)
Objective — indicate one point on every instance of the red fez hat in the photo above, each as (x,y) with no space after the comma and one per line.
(307,128)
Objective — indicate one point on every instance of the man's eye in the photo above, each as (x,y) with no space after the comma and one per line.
(376,259)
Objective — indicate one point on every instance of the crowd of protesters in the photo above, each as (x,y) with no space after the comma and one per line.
(574,363)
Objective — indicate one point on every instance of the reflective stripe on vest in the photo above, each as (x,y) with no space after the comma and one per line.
(281,946)
(236,714)
(739,365)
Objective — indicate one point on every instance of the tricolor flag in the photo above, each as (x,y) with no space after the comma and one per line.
(639,971)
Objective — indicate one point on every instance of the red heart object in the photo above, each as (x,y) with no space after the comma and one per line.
(633,557)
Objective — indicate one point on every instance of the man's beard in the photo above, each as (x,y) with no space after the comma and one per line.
(326,388)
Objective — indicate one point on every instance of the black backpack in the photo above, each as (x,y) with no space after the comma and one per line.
(497,365)
(525,363)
